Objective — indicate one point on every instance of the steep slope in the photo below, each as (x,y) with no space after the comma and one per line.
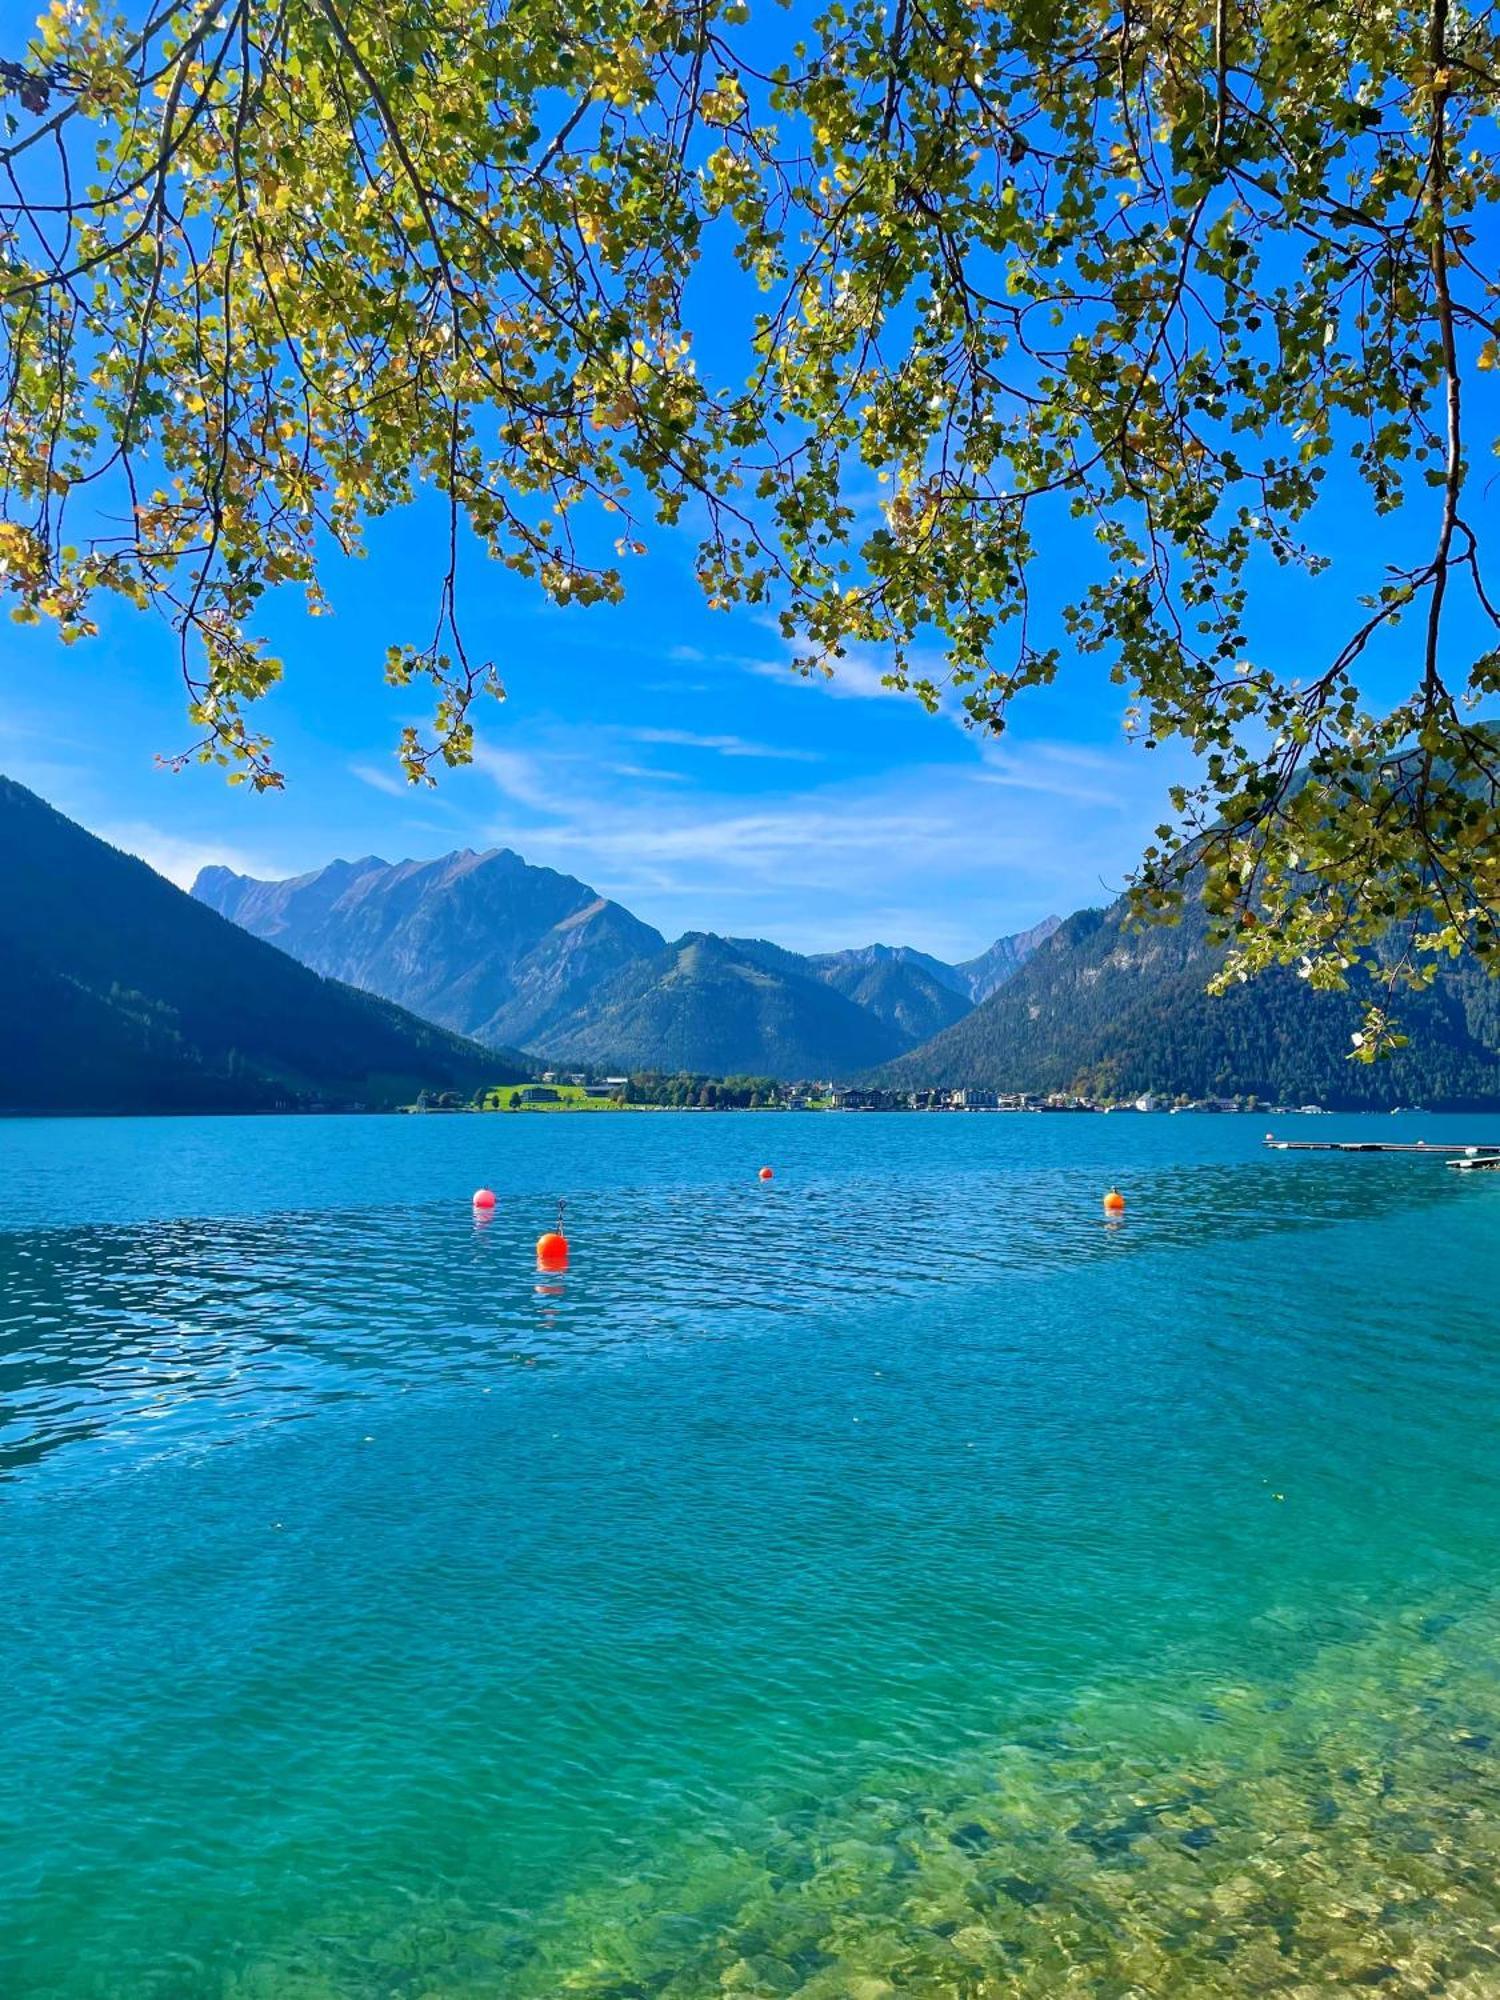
(120,993)
(904,988)
(986,974)
(724,1008)
(1115,1010)
(483,943)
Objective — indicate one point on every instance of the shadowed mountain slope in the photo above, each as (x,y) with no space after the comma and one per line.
(118,992)
(910,992)
(986,974)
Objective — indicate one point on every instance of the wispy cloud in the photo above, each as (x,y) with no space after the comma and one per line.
(521,777)
(760,840)
(976,840)
(1055,771)
(850,862)
(646,771)
(725,746)
(381,781)
(179,856)
(28,753)
(859,676)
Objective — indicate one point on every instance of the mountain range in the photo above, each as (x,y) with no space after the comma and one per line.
(119,992)
(497,949)
(507,953)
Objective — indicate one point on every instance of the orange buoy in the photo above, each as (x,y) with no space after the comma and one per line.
(1114,1202)
(484,1197)
(766,1174)
(552,1251)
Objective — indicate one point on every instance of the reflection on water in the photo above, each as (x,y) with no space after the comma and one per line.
(897,1580)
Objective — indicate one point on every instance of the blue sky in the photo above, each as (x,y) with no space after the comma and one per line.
(665,753)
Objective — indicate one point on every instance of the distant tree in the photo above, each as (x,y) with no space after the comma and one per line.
(1116,282)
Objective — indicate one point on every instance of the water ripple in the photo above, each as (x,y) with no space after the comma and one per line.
(268,1316)
(891,1581)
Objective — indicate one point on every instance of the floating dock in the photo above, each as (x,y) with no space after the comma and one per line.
(1456,1156)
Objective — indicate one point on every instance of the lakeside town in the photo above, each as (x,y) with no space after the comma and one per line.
(582,1091)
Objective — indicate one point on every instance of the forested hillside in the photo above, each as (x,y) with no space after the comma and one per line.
(721,1005)
(118,992)
(1112,1010)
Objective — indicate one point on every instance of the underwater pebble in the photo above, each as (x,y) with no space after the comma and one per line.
(1341,1834)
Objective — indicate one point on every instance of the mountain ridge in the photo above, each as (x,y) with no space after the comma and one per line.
(705,1001)
(481,942)
(987,973)
(120,992)
(905,988)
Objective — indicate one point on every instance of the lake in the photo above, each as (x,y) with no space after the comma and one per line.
(893,1579)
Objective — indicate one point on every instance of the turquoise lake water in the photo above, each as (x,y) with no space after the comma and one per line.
(890,1580)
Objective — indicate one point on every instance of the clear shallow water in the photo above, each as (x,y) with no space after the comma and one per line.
(894,1580)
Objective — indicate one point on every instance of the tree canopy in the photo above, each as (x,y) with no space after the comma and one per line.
(1059,320)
